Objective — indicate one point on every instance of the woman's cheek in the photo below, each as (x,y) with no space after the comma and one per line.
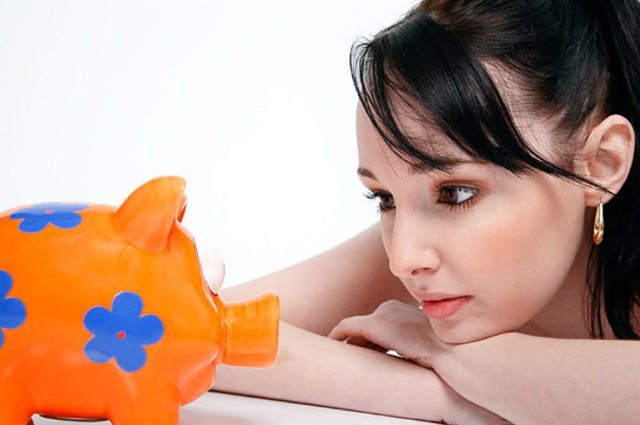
(517,260)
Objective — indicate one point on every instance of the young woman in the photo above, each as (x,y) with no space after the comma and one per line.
(498,139)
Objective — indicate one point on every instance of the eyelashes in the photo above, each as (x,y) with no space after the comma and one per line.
(454,198)
(384,200)
(457,197)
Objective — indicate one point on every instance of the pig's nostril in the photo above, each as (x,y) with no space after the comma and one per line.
(121,335)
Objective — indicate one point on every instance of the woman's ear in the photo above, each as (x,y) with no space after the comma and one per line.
(606,157)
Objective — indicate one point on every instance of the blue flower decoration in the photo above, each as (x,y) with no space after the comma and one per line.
(12,310)
(121,333)
(35,218)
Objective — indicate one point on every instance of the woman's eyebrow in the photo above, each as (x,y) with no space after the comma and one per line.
(363,172)
(450,164)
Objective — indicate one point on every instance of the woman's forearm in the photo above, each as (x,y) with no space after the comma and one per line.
(536,380)
(317,370)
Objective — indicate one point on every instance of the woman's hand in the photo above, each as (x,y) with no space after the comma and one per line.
(395,326)
(405,329)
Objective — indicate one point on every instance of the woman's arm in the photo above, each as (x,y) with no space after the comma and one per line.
(317,370)
(522,378)
(537,380)
(314,369)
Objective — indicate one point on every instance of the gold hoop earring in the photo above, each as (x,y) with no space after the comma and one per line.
(598,225)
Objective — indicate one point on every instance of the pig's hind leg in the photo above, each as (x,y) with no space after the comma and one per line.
(14,409)
(157,409)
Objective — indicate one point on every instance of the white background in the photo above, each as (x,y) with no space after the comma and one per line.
(250,101)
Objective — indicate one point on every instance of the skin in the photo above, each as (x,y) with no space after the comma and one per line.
(371,286)
(513,283)
(528,284)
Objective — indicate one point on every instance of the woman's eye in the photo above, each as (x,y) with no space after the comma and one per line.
(456,196)
(385,200)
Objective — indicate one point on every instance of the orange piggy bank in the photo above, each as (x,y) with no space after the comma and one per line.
(106,313)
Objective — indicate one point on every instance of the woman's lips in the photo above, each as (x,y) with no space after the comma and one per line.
(442,309)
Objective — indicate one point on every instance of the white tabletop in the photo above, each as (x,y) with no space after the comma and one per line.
(215,408)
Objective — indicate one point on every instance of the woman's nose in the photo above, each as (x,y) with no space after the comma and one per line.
(412,250)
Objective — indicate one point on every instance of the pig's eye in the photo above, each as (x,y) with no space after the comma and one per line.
(212,266)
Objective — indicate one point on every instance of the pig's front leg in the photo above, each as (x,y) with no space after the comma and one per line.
(13,405)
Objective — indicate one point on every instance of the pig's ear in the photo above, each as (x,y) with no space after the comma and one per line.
(150,212)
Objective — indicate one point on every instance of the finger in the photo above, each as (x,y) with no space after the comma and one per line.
(346,328)
(339,333)
(334,334)
(350,331)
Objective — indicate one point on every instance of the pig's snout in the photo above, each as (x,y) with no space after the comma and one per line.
(252,332)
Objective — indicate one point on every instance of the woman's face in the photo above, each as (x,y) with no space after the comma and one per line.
(509,243)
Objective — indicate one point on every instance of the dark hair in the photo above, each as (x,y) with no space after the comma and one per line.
(574,60)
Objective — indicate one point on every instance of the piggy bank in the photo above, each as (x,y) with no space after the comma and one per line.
(106,313)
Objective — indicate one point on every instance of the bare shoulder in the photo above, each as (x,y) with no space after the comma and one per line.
(350,279)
